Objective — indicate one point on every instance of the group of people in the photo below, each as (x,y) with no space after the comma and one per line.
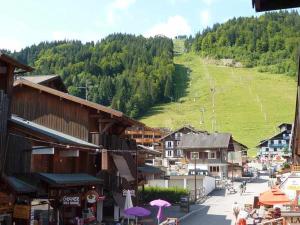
(239,214)
(243,186)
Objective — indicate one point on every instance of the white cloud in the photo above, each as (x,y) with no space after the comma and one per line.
(175,25)
(114,9)
(205,17)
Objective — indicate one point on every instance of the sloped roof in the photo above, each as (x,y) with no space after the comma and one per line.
(20,186)
(60,137)
(77,100)
(205,140)
(17,64)
(265,140)
(192,129)
(39,79)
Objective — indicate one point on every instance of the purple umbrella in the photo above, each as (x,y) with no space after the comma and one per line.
(137,211)
(160,203)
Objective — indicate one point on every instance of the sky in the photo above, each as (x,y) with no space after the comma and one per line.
(32,21)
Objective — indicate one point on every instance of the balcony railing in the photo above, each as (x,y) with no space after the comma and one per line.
(278,145)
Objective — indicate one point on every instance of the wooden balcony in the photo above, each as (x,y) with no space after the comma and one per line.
(295,168)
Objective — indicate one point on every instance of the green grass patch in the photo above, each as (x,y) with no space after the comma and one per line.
(248,104)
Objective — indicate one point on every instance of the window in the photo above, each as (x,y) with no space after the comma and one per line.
(267,149)
(178,136)
(271,142)
(275,149)
(179,152)
(279,141)
(194,155)
(169,144)
(214,169)
(212,155)
(169,153)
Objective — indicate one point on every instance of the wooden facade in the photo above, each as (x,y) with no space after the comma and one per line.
(8,67)
(144,135)
(76,117)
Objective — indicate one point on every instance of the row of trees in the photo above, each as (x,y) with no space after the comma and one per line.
(269,42)
(129,73)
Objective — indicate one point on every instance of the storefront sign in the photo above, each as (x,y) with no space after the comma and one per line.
(293,220)
(71,200)
(132,192)
(92,196)
(22,212)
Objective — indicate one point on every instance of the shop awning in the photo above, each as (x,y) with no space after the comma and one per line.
(57,136)
(149,169)
(72,179)
(19,186)
(123,167)
(274,197)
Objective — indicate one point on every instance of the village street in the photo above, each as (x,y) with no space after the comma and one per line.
(217,210)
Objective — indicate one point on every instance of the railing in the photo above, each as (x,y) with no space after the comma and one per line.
(279,221)
(278,145)
(200,194)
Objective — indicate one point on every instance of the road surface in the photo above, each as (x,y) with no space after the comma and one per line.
(217,210)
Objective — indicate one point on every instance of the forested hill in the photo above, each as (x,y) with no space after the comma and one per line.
(129,73)
(269,42)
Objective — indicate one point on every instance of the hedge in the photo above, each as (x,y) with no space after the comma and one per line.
(171,195)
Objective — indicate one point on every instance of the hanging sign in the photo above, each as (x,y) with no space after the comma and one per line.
(73,200)
(132,192)
(92,196)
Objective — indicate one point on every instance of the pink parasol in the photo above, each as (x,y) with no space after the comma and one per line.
(160,203)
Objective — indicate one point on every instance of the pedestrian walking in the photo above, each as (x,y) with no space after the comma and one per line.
(236,210)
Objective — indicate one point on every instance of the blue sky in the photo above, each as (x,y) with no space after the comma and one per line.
(29,22)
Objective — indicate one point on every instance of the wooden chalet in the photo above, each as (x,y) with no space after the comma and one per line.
(267,5)
(54,133)
(9,67)
(144,135)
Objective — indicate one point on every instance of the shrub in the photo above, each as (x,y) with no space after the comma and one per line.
(171,195)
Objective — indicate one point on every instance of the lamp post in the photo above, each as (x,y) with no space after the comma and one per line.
(195,176)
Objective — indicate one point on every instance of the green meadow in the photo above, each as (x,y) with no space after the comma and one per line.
(242,101)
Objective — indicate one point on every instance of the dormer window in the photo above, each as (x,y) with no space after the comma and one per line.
(178,135)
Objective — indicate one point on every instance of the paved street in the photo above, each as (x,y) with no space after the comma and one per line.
(217,210)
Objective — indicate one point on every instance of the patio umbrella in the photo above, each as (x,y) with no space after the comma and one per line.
(160,203)
(137,212)
(274,197)
(128,203)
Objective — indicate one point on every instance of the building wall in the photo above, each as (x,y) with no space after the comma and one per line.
(174,138)
(51,111)
(203,182)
